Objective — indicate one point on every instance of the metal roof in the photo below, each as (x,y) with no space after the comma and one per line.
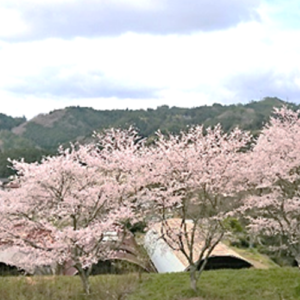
(166,259)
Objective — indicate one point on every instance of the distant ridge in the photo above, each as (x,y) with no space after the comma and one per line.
(48,131)
(44,133)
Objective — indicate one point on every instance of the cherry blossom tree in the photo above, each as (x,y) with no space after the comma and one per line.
(192,176)
(69,209)
(274,178)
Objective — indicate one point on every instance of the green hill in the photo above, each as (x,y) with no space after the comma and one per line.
(44,133)
(7,122)
(76,123)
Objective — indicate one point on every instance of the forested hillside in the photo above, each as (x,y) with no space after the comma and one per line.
(42,135)
(7,123)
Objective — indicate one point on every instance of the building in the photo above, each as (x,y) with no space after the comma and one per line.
(166,260)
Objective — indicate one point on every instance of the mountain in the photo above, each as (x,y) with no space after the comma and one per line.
(7,122)
(43,134)
(48,131)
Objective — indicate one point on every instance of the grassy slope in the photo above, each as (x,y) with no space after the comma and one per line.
(249,284)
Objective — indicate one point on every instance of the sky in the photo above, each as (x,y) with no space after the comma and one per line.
(118,54)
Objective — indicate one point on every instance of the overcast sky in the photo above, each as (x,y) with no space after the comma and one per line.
(134,54)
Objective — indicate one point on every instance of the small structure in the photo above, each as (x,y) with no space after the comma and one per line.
(166,260)
(128,251)
(9,261)
(12,258)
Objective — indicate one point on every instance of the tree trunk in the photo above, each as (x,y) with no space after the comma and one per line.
(85,281)
(193,278)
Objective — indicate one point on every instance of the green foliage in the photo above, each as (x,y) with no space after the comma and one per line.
(7,123)
(30,154)
(9,141)
(71,124)
(233,225)
(77,123)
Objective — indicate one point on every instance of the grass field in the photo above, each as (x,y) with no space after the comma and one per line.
(66,288)
(247,284)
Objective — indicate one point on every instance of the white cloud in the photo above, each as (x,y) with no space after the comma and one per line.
(94,18)
(250,60)
(11,23)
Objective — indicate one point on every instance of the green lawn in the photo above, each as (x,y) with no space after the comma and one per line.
(247,284)
(250,284)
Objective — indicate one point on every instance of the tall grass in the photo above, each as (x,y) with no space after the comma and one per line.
(104,287)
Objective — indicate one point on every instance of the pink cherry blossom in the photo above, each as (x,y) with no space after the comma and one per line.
(273,177)
(66,205)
